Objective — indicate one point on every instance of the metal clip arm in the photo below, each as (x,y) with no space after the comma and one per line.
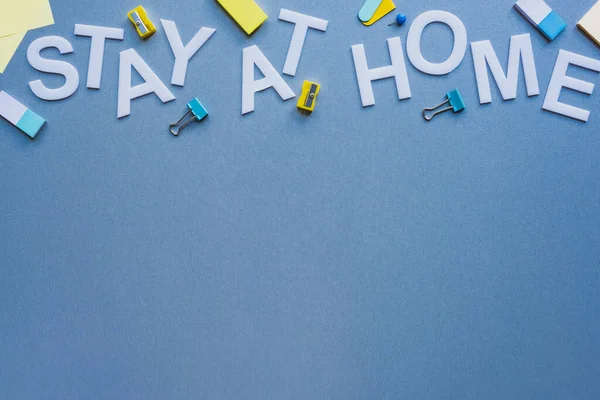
(180,125)
(429,118)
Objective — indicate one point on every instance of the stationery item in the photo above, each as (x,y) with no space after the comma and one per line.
(19,16)
(145,28)
(590,23)
(20,116)
(308,98)
(456,104)
(539,13)
(16,18)
(373,10)
(198,114)
(400,20)
(248,15)
(8,47)
(368,10)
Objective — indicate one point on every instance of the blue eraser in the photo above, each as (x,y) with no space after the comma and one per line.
(552,25)
(31,123)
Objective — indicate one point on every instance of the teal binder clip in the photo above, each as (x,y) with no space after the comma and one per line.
(198,114)
(456,101)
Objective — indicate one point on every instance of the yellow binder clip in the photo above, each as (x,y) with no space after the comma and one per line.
(143,25)
(308,98)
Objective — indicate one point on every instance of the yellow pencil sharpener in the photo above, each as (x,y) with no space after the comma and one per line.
(143,25)
(308,98)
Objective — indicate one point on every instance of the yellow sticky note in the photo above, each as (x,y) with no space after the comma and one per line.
(18,16)
(385,7)
(590,23)
(248,15)
(8,47)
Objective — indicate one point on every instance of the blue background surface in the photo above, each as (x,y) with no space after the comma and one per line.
(353,254)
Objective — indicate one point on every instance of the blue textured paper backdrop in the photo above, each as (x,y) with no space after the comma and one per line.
(353,254)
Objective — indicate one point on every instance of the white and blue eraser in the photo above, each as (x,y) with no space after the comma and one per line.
(542,17)
(20,116)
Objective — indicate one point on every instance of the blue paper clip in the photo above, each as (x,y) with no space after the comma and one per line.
(198,113)
(456,104)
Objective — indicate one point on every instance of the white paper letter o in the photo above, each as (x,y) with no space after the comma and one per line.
(413,42)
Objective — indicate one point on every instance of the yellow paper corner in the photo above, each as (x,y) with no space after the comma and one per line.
(8,47)
(17,16)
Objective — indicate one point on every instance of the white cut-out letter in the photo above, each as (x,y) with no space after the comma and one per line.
(52,67)
(152,83)
(413,42)
(366,76)
(484,55)
(303,22)
(99,34)
(184,54)
(560,80)
(252,56)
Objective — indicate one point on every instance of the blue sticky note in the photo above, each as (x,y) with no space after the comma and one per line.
(368,9)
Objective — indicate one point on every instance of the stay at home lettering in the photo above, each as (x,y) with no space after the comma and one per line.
(484,57)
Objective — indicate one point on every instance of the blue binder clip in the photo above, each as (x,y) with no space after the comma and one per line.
(198,113)
(456,104)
